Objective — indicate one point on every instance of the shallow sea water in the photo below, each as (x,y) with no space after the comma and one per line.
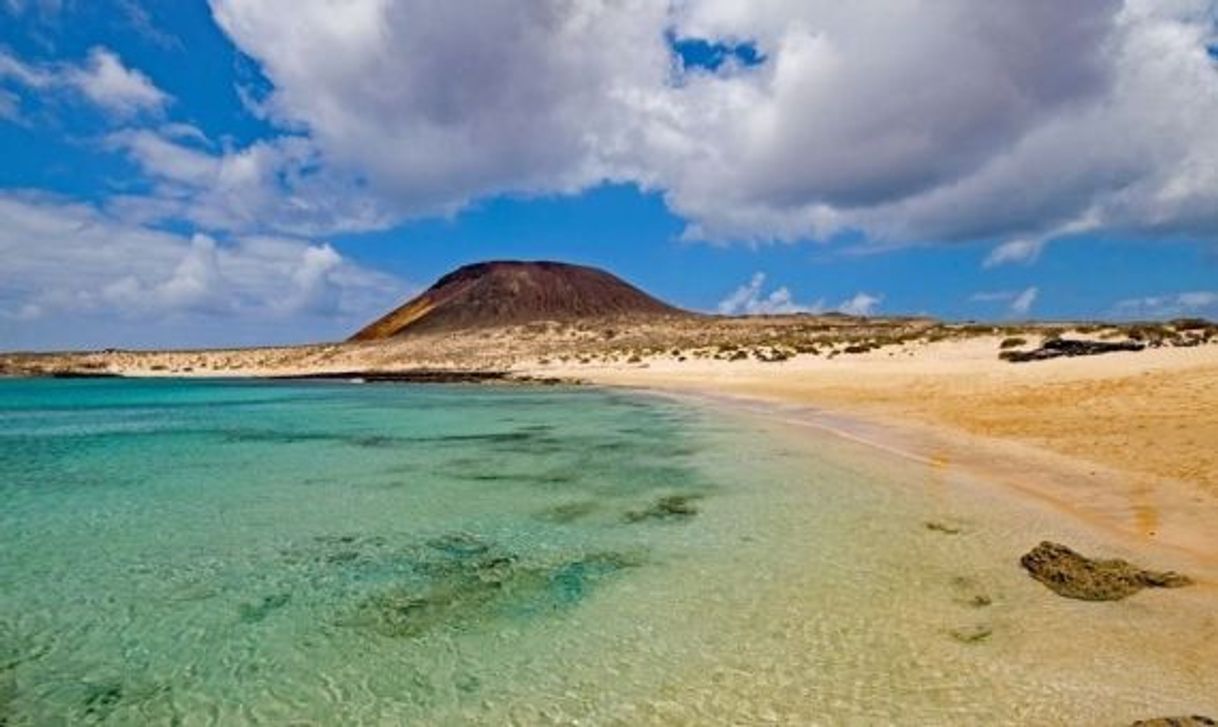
(284,553)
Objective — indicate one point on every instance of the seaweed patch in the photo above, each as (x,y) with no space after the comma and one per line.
(568,512)
(469,584)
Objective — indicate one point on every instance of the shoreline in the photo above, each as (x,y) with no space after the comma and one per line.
(1141,506)
(1122,440)
(1003,468)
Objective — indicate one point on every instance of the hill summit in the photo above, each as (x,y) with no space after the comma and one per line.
(511,292)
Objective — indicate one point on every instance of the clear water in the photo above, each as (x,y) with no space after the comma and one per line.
(240,553)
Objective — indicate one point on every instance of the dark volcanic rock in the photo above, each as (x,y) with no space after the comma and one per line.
(1194,720)
(1071,575)
(415,376)
(503,293)
(1057,347)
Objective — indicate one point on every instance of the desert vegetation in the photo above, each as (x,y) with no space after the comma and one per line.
(613,340)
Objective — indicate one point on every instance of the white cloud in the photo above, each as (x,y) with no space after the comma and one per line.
(105,81)
(10,106)
(440,103)
(1021,305)
(1015,123)
(862,304)
(751,299)
(68,263)
(272,184)
(1019,250)
(1019,302)
(1200,302)
(956,120)
(102,79)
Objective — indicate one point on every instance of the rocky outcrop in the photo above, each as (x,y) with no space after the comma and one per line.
(1069,574)
(1058,347)
(1194,720)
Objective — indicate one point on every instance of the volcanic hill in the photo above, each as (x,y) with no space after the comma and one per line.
(510,292)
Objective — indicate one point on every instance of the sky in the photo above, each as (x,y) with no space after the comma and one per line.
(243,172)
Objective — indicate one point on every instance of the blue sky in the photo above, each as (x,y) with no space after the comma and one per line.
(194,173)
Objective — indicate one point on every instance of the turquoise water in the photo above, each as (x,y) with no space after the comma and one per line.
(237,553)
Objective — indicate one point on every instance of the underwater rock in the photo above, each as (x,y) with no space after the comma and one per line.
(567,512)
(460,545)
(259,610)
(941,527)
(1194,720)
(101,699)
(1071,575)
(972,634)
(670,507)
(970,592)
(465,592)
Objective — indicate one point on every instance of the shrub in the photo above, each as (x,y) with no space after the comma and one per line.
(1012,342)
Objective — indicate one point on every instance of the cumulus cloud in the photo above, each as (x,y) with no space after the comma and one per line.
(1199,302)
(102,79)
(1010,123)
(272,184)
(440,103)
(862,304)
(751,299)
(1016,122)
(66,261)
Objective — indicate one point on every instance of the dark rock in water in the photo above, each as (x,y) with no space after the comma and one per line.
(1057,347)
(1194,720)
(671,507)
(1071,575)
(940,527)
(259,610)
(468,588)
(567,512)
(980,601)
(972,634)
(970,593)
(101,699)
(459,545)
